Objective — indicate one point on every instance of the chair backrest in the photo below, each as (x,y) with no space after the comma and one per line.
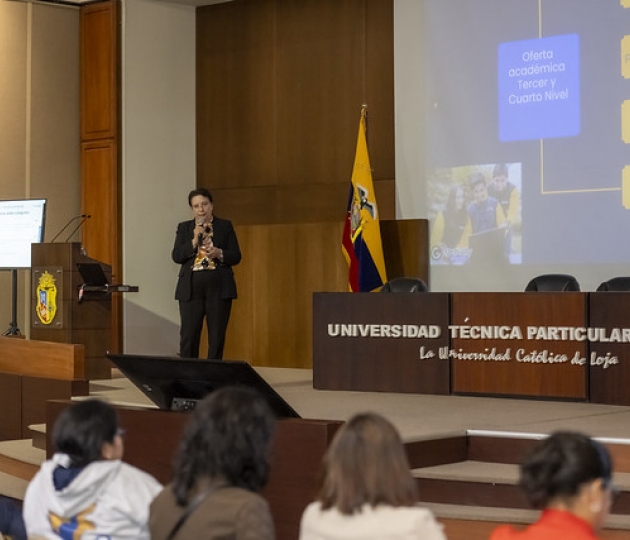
(405,284)
(618,284)
(553,283)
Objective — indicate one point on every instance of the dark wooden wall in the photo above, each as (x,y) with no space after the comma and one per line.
(280,84)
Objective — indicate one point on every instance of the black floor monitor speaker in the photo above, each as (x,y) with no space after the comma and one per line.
(177,384)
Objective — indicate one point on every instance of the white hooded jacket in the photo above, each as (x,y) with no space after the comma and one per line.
(107,500)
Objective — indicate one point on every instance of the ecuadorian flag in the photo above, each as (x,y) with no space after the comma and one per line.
(361,243)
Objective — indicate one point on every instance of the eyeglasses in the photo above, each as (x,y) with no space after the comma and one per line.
(120,432)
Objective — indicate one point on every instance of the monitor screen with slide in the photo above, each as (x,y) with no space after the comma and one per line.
(21,224)
(177,384)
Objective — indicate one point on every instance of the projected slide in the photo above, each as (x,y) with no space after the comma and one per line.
(539,87)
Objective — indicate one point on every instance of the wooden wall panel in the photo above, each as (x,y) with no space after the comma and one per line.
(100,188)
(10,395)
(405,248)
(236,126)
(280,88)
(98,65)
(320,88)
(379,77)
(100,200)
(282,266)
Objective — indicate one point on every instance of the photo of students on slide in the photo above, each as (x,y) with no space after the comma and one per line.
(475,214)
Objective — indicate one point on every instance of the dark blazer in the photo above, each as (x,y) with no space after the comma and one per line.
(183,253)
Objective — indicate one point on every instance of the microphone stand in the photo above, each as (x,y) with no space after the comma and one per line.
(85,217)
(67,225)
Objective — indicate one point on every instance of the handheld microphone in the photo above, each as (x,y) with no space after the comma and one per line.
(200,235)
(84,216)
(70,221)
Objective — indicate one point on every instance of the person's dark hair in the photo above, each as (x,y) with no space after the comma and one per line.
(500,169)
(366,464)
(227,439)
(451,203)
(199,191)
(81,430)
(561,464)
(476,178)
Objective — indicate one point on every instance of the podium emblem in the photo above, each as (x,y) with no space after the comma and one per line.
(46,307)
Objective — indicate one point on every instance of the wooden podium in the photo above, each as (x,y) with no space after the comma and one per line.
(57,313)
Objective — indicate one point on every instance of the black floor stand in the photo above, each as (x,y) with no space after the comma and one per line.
(13,327)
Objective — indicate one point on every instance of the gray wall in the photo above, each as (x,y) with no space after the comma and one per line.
(158,102)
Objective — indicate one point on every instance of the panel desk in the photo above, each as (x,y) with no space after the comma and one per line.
(522,352)
(609,357)
(568,345)
(383,342)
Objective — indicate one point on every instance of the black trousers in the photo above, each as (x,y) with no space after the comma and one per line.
(204,303)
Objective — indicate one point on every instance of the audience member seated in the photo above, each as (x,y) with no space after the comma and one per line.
(85,491)
(568,476)
(221,464)
(367,491)
(11,522)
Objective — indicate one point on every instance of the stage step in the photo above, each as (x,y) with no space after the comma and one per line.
(12,486)
(491,484)
(471,482)
(477,522)
(496,473)
(19,461)
(38,432)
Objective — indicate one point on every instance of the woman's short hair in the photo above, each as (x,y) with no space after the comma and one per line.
(199,191)
(228,439)
(561,464)
(81,430)
(366,464)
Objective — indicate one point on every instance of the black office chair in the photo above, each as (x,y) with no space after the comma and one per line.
(618,284)
(405,284)
(553,283)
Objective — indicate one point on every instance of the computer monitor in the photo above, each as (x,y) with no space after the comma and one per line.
(177,384)
(21,225)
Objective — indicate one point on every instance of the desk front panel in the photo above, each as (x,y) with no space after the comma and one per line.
(370,360)
(514,366)
(610,355)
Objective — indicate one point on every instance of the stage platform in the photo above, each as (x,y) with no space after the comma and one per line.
(419,417)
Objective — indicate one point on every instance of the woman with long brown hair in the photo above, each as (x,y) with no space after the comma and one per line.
(367,490)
